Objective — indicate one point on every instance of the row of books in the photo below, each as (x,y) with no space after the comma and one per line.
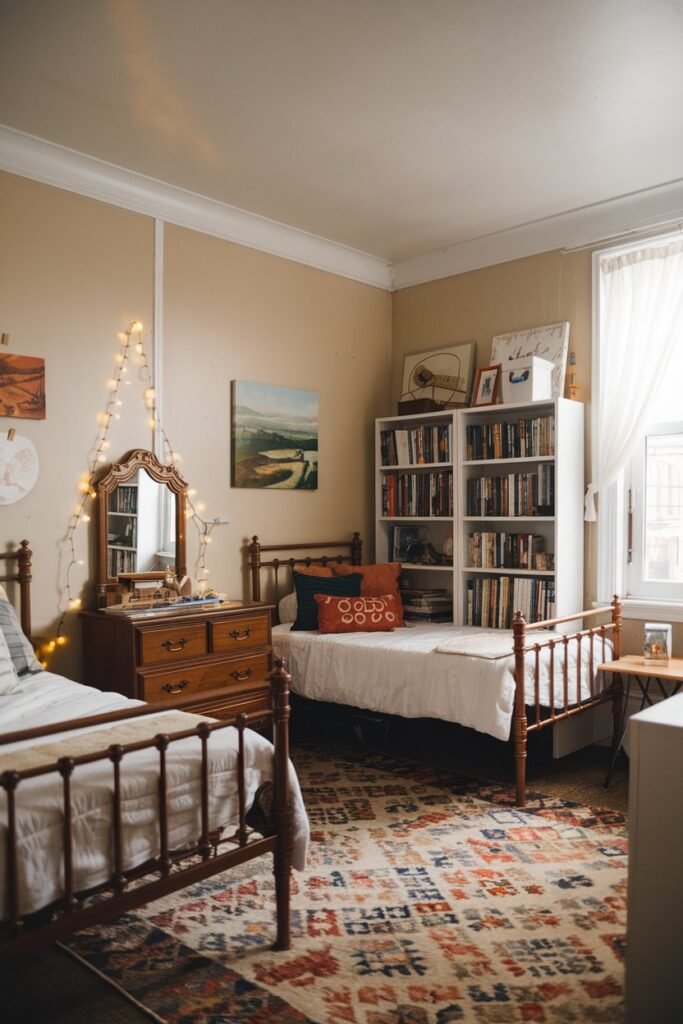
(431,443)
(427,604)
(515,494)
(493,550)
(120,561)
(417,494)
(522,439)
(124,499)
(493,601)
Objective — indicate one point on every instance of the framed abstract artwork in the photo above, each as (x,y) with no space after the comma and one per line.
(274,437)
(442,374)
(22,387)
(550,342)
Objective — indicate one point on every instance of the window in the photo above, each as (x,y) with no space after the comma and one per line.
(637,421)
(654,489)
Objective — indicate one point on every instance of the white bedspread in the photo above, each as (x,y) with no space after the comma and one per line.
(402,673)
(47,698)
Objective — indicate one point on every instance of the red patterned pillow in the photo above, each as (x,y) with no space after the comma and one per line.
(357,614)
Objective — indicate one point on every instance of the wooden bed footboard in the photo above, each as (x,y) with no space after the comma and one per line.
(213,852)
(531,717)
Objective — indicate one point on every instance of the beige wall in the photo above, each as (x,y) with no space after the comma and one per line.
(74,272)
(232,313)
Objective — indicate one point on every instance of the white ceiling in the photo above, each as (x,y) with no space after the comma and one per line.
(394,127)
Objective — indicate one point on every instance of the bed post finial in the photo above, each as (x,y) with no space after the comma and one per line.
(24,556)
(519,723)
(279,681)
(356,549)
(254,566)
(617,620)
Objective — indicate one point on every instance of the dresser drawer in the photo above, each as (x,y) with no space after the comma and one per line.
(237,634)
(184,681)
(173,643)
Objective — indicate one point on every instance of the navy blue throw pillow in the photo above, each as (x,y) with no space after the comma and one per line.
(307,586)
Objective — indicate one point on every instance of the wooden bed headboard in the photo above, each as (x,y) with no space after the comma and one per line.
(279,569)
(20,559)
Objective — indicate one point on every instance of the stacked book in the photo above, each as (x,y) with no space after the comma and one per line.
(417,494)
(526,438)
(499,550)
(415,447)
(427,604)
(493,602)
(515,494)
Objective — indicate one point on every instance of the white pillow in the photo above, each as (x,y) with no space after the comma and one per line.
(9,680)
(286,609)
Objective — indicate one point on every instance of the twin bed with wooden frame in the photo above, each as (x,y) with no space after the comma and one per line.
(509,684)
(111,809)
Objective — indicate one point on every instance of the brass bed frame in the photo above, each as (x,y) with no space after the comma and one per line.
(529,641)
(172,869)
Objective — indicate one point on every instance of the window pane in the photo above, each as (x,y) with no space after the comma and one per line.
(664,508)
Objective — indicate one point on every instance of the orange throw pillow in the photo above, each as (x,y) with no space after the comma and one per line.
(378,580)
(357,614)
(313,570)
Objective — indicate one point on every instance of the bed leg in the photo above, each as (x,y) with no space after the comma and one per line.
(519,720)
(282,857)
(520,760)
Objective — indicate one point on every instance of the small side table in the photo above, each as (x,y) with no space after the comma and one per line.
(634,667)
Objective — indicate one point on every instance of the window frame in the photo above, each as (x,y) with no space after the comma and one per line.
(637,587)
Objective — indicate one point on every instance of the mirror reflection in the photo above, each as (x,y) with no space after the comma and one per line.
(141,526)
(140,522)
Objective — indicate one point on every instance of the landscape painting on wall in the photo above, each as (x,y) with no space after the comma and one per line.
(274,436)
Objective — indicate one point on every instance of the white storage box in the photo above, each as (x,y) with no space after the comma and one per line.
(527,379)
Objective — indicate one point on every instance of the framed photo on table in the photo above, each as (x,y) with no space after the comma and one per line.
(486,385)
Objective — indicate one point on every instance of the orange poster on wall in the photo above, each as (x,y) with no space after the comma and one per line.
(22,387)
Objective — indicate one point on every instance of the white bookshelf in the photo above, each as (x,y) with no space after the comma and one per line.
(560,533)
(437,527)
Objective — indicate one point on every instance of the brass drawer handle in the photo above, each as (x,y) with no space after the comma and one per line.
(175,687)
(169,644)
(235,633)
(241,676)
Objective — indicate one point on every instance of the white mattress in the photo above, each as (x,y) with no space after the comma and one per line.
(47,698)
(401,673)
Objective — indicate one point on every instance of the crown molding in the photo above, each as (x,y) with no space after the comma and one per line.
(64,168)
(588,226)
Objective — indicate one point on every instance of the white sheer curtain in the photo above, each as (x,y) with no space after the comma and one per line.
(640,340)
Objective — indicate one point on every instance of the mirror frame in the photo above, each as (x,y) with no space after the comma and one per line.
(108,588)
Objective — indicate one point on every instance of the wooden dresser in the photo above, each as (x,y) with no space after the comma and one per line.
(220,654)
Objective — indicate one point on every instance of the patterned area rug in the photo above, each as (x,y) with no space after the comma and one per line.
(426,900)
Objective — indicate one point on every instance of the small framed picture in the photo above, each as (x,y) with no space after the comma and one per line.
(657,642)
(486,385)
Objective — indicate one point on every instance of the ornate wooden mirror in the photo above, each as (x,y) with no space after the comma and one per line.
(140,522)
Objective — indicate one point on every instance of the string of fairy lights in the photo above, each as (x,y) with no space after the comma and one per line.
(132,352)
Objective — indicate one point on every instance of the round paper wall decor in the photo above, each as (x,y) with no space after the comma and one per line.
(18,468)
